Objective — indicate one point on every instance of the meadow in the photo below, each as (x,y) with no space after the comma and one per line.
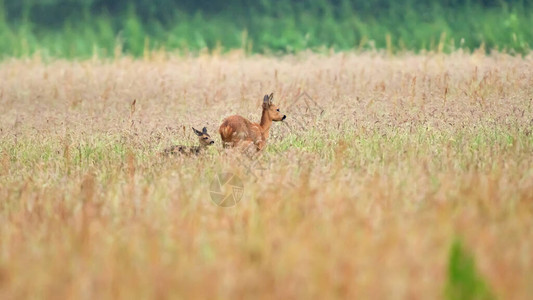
(386,169)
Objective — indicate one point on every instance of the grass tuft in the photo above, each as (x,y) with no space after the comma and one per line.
(464,280)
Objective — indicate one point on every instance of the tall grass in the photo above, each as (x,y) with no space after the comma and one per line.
(359,195)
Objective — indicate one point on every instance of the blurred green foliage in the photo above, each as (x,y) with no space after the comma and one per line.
(82,28)
(464,282)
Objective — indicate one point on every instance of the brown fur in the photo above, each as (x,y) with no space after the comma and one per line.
(204,139)
(237,130)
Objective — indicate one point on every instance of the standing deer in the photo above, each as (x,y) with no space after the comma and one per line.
(203,137)
(237,130)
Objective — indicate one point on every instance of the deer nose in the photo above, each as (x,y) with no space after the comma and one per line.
(212,142)
(284,117)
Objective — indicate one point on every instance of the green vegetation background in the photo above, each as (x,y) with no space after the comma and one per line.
(83,28)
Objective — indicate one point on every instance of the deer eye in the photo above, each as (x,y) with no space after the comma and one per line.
(277,109)
(205,138)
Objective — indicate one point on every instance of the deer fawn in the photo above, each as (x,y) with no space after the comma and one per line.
(203,137)
(238,130)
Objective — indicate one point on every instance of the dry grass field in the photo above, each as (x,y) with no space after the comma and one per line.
(382,163)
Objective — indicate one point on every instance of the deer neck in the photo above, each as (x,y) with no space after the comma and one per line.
(202,145)
(265,123)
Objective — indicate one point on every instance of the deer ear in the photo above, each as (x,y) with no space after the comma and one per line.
(270,98)
(198,132)
(266,102)
(204,130)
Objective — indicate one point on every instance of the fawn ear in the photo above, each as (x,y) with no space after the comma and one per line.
(270,98)
(204,130)
(198,132)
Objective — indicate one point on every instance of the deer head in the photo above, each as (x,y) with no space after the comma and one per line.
(272,110)
(203,137)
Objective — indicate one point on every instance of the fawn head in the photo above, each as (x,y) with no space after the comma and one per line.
(271,109)
(203,136)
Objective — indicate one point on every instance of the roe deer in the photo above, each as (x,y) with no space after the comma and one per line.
(203,137)
(236,129)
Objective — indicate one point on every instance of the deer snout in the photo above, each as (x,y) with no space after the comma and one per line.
(211,143)
(284,117)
